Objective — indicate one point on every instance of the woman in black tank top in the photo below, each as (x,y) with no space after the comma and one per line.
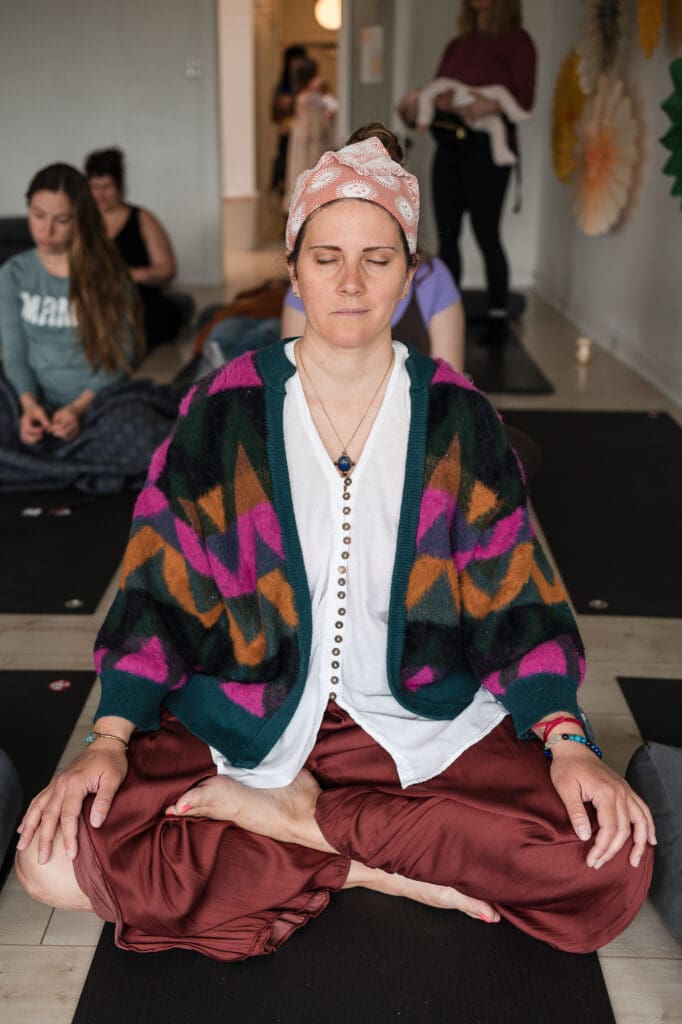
(143,244)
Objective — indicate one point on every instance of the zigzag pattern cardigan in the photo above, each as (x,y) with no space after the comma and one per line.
(213,615)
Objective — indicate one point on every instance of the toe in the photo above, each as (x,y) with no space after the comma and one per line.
(184,805)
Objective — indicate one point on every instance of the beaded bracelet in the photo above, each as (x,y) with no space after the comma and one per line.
(576,739)
(546,727)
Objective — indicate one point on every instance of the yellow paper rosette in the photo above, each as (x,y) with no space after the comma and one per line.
(649,22)
(569,101)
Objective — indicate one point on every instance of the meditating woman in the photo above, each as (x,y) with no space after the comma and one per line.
(144,245)
(70,338)
(336,644)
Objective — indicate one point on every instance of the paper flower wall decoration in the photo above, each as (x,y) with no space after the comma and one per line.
(599,46)
(569,101)
(605,157)
(649,19)
(674,23)
(672,139)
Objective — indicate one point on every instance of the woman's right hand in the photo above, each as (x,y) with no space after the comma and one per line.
(100,769)
(34,423)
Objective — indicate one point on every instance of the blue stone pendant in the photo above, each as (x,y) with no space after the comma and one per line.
(344,463)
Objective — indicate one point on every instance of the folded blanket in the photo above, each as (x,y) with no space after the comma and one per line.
(122,428)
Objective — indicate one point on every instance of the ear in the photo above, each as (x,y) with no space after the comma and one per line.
(293,280)
(411,271)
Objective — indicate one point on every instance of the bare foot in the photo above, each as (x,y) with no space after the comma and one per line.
(442,896)
(286,813)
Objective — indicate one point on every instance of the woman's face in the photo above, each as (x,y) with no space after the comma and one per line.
(351,273)
(51,220)
(105,192)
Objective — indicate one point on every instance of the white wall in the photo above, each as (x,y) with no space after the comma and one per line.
(427,38)
(82,74)
(236,48)
(623,288)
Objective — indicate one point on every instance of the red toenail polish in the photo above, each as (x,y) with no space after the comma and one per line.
(486,919)
(185,808)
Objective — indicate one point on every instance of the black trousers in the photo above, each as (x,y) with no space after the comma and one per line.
(465,178)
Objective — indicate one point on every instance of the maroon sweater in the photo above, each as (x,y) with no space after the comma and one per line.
(480,58)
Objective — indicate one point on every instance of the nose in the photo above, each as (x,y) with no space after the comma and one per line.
(352,280)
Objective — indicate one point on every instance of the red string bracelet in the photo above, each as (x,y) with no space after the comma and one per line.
(546,727)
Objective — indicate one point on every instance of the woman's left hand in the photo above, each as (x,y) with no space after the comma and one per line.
(579,778)
(66,423)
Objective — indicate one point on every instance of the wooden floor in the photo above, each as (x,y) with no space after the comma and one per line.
(44,954)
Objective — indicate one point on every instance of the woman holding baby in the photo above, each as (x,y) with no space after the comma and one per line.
(491,49)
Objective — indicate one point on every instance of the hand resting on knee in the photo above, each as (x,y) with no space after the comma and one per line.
(100,769)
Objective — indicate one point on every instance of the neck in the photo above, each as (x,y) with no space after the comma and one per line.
(113,211)
(55,263)
(331,365)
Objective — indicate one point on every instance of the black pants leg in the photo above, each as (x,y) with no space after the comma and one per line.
(449,201)
(486,186)
(465,178)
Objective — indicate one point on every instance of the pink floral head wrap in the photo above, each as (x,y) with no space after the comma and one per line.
(363,170)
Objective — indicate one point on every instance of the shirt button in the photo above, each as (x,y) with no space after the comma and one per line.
(338,625)
(346,540)
(338,639)
(334,680)
(347,482)
(346,495)
(341,611)
(342,569)
(346,526)
(336,651)
(332,695)
(341,594)
(345,554)
(342,582)
(335,664)
(346,510)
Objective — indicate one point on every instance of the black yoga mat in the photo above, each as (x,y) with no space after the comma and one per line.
(370,958)
(475,302)
(37,716)
(656,706)
(505,367)
(62,560)
(609,497)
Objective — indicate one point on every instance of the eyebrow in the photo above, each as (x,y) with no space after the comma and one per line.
(368,248)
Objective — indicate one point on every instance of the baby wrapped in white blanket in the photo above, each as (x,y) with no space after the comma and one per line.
(491,123)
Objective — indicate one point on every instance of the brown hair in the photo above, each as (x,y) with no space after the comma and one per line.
(101,292)
(107,163)
(373,130)
(502,16)
(378,130)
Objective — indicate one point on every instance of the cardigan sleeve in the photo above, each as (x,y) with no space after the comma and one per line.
(167,600)
(519,633)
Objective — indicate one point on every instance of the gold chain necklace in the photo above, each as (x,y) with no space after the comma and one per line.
(344,463)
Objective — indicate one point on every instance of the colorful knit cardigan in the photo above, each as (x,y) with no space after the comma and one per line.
(213,615)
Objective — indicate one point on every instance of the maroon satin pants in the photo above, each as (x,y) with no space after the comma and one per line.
(491,825)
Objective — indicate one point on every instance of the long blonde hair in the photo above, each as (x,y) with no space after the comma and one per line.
(102,294)
(502,16)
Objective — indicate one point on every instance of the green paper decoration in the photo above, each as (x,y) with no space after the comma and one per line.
(672,139)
